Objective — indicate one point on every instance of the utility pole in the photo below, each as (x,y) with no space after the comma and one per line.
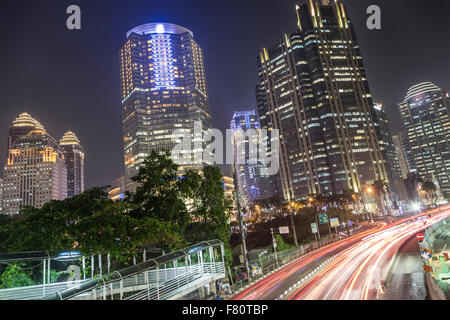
(240,219)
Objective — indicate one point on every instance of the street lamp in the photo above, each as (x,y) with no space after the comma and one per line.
(294,206)
(369,190)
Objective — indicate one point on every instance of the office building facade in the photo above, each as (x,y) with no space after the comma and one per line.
(253,178)
(163,89)
(386,143)
(313,88)
(399,144)
(74,159)
(425,112)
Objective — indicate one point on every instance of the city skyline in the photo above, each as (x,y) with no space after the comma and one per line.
(104,102)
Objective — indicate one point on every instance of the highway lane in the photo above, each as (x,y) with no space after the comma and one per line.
(357,273)
(407,281)
(272,286)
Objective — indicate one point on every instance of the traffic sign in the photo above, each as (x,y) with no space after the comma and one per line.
(323,218)
(314,227)
(334,222)
(420,236)
(284,230)
(426,254)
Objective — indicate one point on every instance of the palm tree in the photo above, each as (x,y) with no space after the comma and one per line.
(381,188)
(430,188)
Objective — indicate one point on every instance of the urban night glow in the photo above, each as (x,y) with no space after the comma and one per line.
(198,151)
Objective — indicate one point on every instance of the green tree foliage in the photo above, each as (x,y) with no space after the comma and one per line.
(167,210)
(90,223)
(161,193)
(16,276)
(210,208)
(281,245)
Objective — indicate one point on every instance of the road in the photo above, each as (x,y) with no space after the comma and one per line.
(355,274)
(407,281)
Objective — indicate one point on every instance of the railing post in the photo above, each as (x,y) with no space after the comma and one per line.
(92,266)
(176,273)
(200,260)
(83,264)
(157,281)
(211,258)
(100,263)
(187,269)
(48,275)
(43,275)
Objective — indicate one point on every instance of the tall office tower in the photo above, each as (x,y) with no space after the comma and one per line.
(35,171)
(313,88)
(399,143)
(163,89)
(425,114)
(74,157)
(387,144)
(253,178)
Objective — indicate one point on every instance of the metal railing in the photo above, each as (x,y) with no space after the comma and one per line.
(36,291)
(283,258)
(153,279)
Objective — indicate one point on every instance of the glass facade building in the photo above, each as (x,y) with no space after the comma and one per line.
(313,88)
(253,178)
(425,114)
(387,144)
(163,89)
(74,158)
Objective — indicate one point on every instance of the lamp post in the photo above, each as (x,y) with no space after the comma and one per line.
(294,206)
(369,190)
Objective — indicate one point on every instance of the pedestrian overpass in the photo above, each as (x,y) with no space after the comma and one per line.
(172,276)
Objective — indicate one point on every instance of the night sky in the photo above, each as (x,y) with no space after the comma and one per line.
(70,79)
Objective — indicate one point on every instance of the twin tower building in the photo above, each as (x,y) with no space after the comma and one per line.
(39,168)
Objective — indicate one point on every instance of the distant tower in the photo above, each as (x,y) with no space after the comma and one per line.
(74,156)
(253,179)
(35,171)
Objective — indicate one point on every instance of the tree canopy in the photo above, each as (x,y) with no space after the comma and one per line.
(168,210)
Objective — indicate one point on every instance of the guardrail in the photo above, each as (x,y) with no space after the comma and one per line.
(285,258)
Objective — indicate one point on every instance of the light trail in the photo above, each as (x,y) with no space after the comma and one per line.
(354,274)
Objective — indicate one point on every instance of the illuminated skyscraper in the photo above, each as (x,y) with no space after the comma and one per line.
(163,89)
(35,171)
(426,115)
(313,88)
(253,179)
(74,158)
(399,143)
(387,147)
